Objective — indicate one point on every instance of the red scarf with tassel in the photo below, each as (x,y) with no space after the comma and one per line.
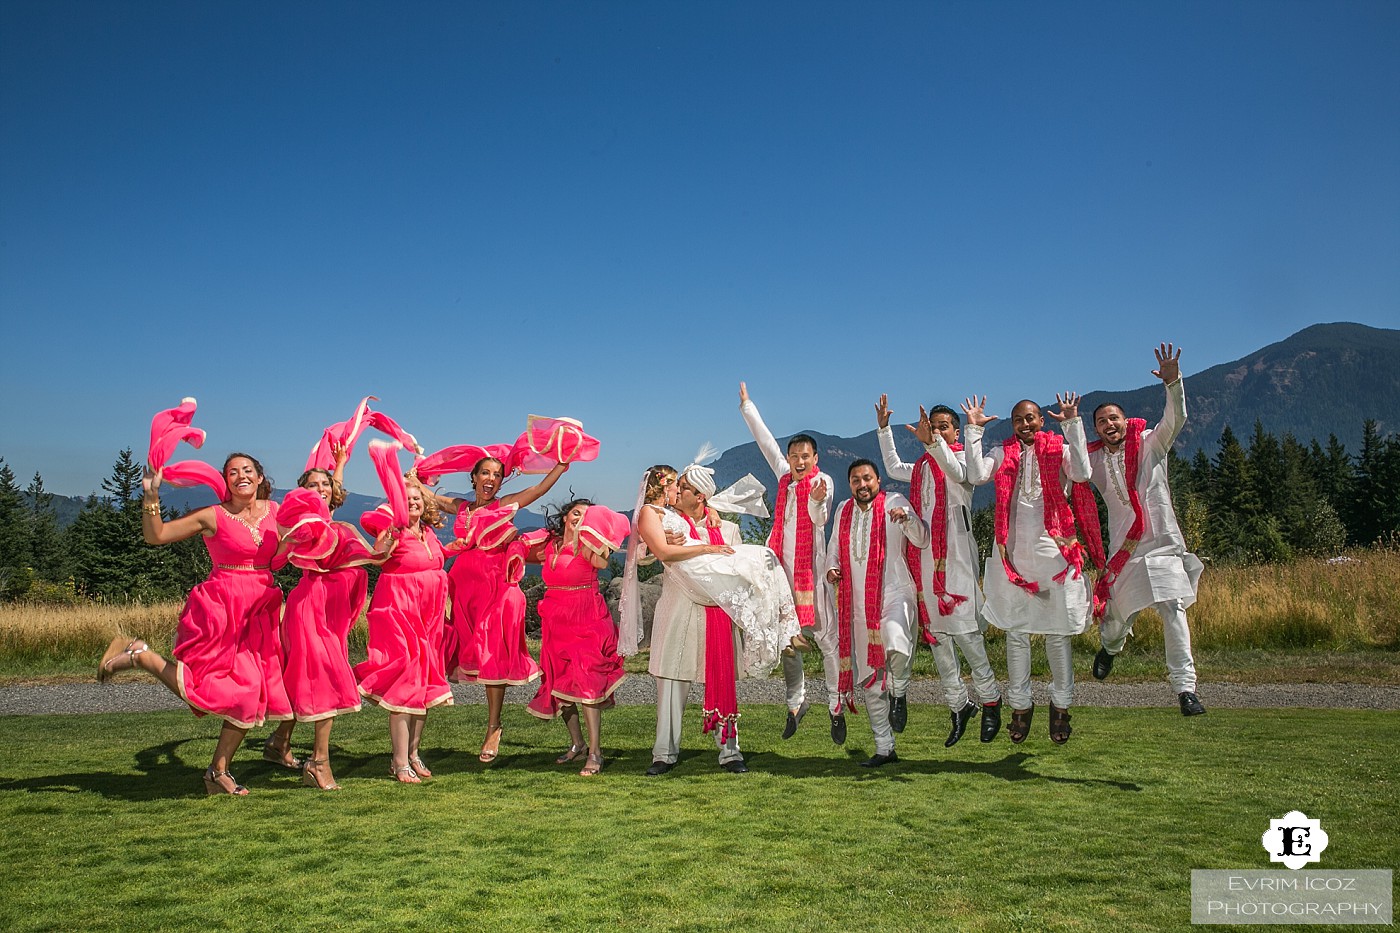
(803,579)
(938,545)
(874,599)
(1132,459)
(1059,515)
(721,709)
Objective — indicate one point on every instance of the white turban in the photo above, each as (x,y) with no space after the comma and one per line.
(701,478)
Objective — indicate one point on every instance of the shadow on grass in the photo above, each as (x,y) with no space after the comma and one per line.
(1014,767)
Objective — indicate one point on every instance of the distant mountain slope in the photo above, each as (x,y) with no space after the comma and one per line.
(1327,378)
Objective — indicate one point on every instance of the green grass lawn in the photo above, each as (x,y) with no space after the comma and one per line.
(106,824)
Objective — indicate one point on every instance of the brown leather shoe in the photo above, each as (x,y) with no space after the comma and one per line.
(1020,724)
(1059,725)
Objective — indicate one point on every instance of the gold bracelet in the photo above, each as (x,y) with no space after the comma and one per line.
(151,509)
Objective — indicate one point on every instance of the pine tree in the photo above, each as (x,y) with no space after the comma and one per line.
(46,555)
(14,537)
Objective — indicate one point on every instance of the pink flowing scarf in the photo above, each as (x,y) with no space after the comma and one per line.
(803,579)
(721,710)
(1059,515)
(938,545)
(168,428)
(874,599)
(1132,459)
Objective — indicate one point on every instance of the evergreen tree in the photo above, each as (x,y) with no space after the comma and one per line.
(1375,513)
(46,555)
(1240,530)
(14,536)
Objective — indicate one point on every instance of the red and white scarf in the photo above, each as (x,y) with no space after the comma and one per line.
(1059,515)
(874,599)
(803,579)
(721,709)
(1132,459)
(938,545)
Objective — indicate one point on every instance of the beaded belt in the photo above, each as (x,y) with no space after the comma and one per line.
(251,568)
(582,586)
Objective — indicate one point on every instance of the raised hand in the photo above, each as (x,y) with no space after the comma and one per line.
(923,430)
(882,412)
(1168,363)
(818,492)
(150,482)
(1069,406)
(341,453)
(899,516)
(743,393)
(972,408)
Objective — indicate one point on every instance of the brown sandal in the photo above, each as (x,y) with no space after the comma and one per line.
(1059,724)
(1020,724)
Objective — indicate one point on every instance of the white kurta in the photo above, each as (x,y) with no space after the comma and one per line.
(961,565)
(678,629)
(899,614)
(819,511)
(1161,569)
(1061,608)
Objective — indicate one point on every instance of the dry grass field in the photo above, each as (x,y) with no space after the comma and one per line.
(1266,616)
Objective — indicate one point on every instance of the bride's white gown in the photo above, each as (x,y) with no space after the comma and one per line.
(749,585)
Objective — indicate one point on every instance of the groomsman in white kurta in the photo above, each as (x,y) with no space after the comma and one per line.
(1149,565)
(881,594)
(949,596)
(799,478)
(1035,580)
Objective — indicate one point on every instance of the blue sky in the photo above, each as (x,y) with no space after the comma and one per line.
(616,211)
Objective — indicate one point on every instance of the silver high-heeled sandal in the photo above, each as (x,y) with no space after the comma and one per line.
(107,667)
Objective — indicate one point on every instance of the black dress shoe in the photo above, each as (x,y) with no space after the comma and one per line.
(736,766)
(899,713)
(659,767)
(960,719)
(1190,704)
(1103,664)
(879,760)
(795,719)
(991,721)
(838,728)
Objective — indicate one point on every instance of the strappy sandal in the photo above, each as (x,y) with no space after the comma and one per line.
(594,765)
(419,768)
(572,754)
(1059,724)
(492,746)
(281,756)
(404,775)
(121,645)
(310,778)
(1020,724)
(213,788)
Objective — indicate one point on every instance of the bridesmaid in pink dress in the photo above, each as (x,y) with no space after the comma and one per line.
(321,610)
(579,638)
(487,644)
(227,655)
(404,672)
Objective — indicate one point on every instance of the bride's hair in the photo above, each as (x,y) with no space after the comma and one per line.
(658,478)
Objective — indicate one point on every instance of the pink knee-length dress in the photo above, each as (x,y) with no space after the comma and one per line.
(404,672)
(321,610)
(226,643)
(487,642)
(579,653)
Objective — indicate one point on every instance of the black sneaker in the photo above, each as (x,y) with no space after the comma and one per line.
(838,728)
(1103,664)
(899,713)
(1190,704)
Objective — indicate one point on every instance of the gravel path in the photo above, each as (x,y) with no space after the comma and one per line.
(639,689)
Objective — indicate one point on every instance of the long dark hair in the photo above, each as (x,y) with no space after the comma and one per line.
(554,518)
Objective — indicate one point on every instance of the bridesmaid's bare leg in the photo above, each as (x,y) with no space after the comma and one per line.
(230,738)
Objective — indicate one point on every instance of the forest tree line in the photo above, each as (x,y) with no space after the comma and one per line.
(1265,500)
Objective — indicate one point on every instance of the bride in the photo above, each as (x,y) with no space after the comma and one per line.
(745,581)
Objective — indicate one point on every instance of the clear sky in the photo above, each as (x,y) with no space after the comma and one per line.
(617,210)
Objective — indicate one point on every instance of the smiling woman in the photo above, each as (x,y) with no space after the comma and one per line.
(228,656)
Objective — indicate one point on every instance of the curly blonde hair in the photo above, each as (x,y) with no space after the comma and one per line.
(432,516)
(658,478)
